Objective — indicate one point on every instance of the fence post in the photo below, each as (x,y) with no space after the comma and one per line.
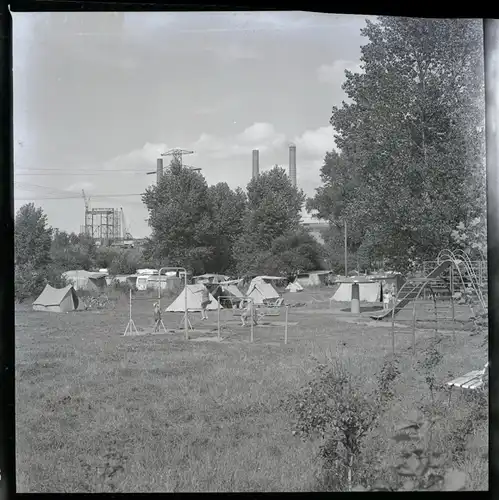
(286,327)
(253,314)
(218,317)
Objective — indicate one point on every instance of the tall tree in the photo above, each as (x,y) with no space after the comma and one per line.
(32,237)
(32,240)
(412,137)
(179,215)
(274,210)
(228,209)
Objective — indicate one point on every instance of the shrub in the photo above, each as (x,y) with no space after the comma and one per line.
(336,407)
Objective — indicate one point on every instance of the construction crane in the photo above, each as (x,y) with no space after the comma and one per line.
(126,229)
(85,200)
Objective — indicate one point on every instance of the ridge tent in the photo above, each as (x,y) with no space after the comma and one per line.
(294,287)
(193,300)
(85,280)
(58,300)
(262,292)
(368,292)
(233,290)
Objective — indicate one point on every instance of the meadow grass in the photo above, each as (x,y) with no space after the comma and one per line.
(99,412)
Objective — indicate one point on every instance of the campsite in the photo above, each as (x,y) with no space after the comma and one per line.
(93,403)
(258,263)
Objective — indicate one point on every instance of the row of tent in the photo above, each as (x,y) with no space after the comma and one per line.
(65,299)
(260,290)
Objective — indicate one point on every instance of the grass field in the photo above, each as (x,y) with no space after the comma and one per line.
(100,412)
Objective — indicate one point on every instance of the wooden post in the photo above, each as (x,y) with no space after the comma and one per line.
(218,317)
(253,313)
(346,247)
(186,319)
(286,327)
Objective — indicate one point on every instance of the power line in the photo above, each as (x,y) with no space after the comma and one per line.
(78,197)
(85,172)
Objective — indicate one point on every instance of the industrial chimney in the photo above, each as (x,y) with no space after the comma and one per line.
(292,164)
(159,169)
(256,163)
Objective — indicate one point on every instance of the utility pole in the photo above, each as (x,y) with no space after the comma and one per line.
(346,250)
(177,157)
(177,154)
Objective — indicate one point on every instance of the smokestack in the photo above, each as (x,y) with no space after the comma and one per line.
(292,164)
(256,163)
(159,169)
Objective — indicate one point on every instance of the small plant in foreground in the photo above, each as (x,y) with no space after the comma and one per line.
(432,358)
(418,467)
(335,407)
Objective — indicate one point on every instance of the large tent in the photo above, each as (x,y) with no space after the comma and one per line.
(58,300)
(232,290)
(194,294)
(368,292)
(85,280)
(261,292)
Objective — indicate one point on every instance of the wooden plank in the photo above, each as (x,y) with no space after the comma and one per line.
(469,378)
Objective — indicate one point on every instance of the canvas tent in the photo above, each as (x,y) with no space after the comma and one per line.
(58,300)
(294,287)
(194,294)
(368,292)
(210,278)
(261,292)
(232,290)
(85,280)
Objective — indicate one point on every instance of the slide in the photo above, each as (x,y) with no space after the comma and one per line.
(408,296)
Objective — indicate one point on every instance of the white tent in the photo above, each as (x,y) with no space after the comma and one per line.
(294,287)
(261,292)
(56,300)
(368,292)
(232,290)
(85,280)
(194,295)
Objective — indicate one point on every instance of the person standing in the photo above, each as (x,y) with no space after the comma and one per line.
(386,296)
(205,301)
(157,316)
(248,313)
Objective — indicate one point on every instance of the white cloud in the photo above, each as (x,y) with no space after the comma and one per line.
(138,158)
(316,143)
(335,73)
(262,136)
(257,132)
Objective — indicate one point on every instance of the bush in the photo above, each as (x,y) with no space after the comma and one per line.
(336,407)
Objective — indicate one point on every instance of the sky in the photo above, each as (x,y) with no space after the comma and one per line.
(99,96)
